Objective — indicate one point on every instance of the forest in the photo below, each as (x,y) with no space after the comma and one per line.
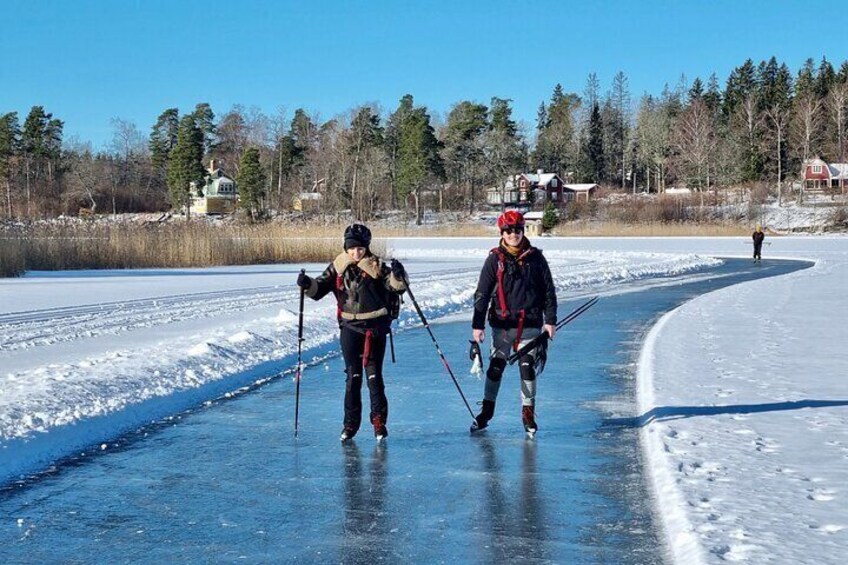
(758,125)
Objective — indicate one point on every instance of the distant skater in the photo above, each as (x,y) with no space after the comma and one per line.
(365,289)
(517,291)
(758,236)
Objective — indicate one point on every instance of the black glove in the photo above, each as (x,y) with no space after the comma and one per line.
(474,350)
(303,281)
(397,270)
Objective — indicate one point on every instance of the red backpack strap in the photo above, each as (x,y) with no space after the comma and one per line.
(519,330)
(504,307)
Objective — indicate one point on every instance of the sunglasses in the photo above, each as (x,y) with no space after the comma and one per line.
(512,230)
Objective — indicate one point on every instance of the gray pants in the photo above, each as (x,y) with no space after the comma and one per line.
(502,348)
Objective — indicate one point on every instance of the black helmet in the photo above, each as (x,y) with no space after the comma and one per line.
(357,235)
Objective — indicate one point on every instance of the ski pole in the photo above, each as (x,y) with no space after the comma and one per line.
(533,343)
(436,343)
(299,364)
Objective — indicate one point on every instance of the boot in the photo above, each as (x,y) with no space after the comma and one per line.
(348,433)
(481,421)
(528,416)
(380,431)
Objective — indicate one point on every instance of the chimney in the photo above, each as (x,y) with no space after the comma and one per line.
(212,166)
(540,171)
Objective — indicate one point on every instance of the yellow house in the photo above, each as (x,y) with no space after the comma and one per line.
(218,196)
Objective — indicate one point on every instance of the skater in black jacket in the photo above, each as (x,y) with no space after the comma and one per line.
(517,291)
(758,236)
(366,290)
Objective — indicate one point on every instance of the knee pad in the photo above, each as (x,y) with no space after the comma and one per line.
(526,367)
(496,369)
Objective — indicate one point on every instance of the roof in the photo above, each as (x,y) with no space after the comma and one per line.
(542,179)
(215,180)
(586,187)
(838,170)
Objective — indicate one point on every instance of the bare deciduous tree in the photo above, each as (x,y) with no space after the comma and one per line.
(694,137)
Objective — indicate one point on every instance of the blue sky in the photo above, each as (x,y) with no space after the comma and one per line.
(90,61)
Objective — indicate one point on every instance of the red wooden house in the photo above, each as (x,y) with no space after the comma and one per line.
(526,189)
(818,175)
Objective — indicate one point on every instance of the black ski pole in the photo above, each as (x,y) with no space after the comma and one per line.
(299,364)
(533,343)
(436,343)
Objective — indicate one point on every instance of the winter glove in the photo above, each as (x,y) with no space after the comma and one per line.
(303,281)
(397,270)
(476,358)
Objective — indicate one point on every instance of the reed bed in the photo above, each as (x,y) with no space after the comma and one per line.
(93,245)
(52,247)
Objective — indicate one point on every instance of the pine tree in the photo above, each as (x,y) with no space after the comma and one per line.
(550,218)
(463,147)
(554,145)
(41,142)
(163,138)
(504,150)
(394,128)
(365,134)
(251,183)
(204,117)
(595,146)
(185,168)
(10,139)
(419,161)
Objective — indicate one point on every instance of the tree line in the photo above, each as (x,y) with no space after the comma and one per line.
(759,127)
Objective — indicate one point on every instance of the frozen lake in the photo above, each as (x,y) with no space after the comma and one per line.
(228,481)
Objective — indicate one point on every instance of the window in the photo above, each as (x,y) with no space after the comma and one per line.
(817,169)
(554,183)
(554,195)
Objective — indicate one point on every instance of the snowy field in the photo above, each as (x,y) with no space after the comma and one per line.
(742,407)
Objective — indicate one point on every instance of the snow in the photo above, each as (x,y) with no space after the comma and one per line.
(742,401)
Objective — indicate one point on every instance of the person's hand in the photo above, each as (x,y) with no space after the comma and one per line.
(303,281)
(397,270)
(550,329)
(478,335)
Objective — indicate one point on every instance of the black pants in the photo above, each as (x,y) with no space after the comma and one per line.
(758,250)
(353,348)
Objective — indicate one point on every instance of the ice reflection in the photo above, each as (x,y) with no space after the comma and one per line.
(366,522)
(513,517)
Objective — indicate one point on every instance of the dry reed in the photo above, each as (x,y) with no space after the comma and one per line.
(93,245)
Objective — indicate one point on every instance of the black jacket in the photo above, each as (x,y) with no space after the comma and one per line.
(362,290)
(527,285)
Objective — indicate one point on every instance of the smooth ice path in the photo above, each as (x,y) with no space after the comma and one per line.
(228,481)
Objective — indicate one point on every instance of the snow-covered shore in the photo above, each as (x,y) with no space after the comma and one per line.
(747,455)
(749,450)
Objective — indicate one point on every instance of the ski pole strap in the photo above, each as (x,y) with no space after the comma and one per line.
(519,331)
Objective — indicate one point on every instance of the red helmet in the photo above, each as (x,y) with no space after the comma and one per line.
(510,218)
